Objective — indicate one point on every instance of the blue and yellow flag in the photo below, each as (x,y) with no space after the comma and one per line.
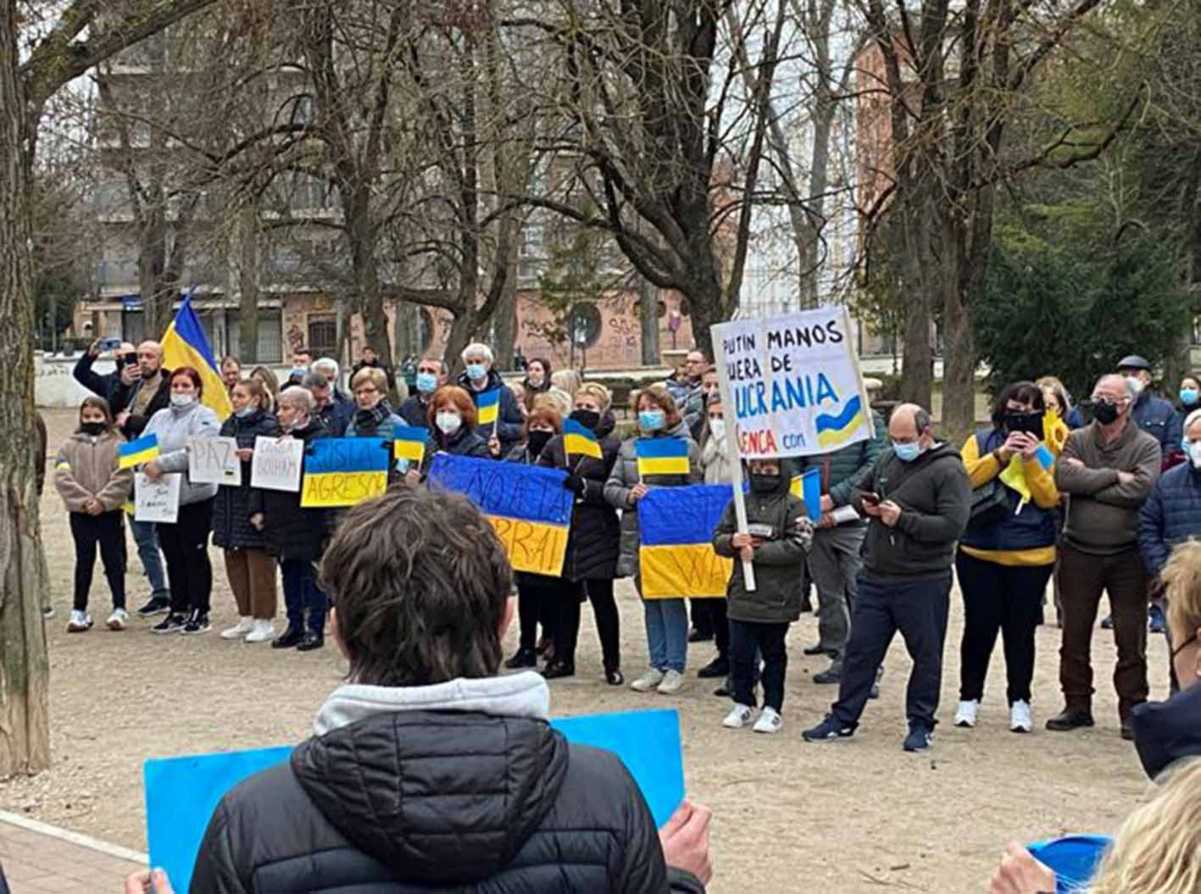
(409,443)
(185,344)
(675,526)
(487,406)
(835,430)
(661,456)
(579,440)
(142,450)
(528,506)
(808,486)
(1014,475)
(344,471)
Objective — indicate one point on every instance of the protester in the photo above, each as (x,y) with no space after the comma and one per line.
(593,542)
(328,367)
(373,417)
(537,380)
(711,613)
(185,543)
(335,415)
(566,380)
(556,398)
(421,585)
(1153,414)
(1189,402)
(302,359)
(1008,552)
(452,423)
(94,491)
(519,395)
(710,391)
(685,389)
(147,393)
(368,359)
(431,375)
(125,358)
(270,382)
(295,535)
(1062,403)
(231,372)
(1107,469)
(478,379)
(248,566)
(666,619)
(759,619)
(918,499)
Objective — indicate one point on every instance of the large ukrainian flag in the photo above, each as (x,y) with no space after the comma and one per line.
(675,526)
(185,344)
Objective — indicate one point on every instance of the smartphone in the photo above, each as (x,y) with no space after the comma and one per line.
(871,499)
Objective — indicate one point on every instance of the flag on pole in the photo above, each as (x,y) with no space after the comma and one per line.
(661,456)
(409,443)
(580,440)
(488,406)
(185,344)
(143,450)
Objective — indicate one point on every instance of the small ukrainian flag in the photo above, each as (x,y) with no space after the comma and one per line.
(580,441)
(661,456)
(143,450)
(409,443)
(488,406)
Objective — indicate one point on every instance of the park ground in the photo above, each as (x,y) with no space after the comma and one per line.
(854,816)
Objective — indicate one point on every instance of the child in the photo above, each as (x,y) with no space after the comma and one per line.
(780,534)
(94,491)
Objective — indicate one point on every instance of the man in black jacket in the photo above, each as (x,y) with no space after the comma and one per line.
(109,384)
(918,499)
(428,772)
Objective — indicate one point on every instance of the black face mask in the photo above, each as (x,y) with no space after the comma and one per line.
(92,428)
(1030,423)
(590,419)
(537,440)
(1105,412)
(764,484)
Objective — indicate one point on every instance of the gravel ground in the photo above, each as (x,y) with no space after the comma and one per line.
(846,817)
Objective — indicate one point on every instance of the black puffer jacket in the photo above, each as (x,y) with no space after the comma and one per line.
(424,801)
(231,510)
(1165,732)
(289,531)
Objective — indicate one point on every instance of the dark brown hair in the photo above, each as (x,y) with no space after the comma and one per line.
(1020,392)
(96,403)
(419,580)
(187,372)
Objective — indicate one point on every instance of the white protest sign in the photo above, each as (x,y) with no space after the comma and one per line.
(214,461)
(793,383)
(156,501)
(276,464)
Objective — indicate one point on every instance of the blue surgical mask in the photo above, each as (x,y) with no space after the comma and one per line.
(652,420)
(1189,396)
(426,382)
(476,371)
(907,453)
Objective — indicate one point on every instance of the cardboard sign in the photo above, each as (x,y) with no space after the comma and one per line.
(156,501)
(214,461)
(345,471)
(277,463)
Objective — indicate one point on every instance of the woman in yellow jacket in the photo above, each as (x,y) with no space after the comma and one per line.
(1006,556)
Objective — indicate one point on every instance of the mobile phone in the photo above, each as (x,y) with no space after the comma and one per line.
(871,499)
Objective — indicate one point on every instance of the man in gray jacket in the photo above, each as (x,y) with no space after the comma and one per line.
(1107,470)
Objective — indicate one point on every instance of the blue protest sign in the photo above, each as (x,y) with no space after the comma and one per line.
(1073,858)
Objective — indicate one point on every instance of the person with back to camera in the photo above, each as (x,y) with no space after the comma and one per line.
(427,771)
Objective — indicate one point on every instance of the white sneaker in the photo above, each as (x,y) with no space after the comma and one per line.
(263,632)
(118,619)
(769,721)
(966,715)
(80,621)
(673,682)
(1020,720)
(239,630)
(739,716)
(648,681)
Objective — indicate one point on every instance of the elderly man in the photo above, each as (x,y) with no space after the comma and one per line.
(1107,469)
(334,414)
(686,390)
(918,499)
(328,367)
(1154,415)
(107,385)
(431,375)
(480,378)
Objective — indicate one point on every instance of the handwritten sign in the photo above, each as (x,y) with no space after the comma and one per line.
(277,463)
(214,461)
(675,528)
(794,383)
(528,506)
(345,471)
(156,501)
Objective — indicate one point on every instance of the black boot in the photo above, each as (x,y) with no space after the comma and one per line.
(310,641)
(522,658)
(289,639)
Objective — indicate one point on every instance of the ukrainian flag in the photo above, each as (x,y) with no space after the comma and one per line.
(409,443)
(344,471)
(488,406)
(836,430)
(580,441)
(661,456)
(135,453)
(676,555)
(185,344)
(808,487)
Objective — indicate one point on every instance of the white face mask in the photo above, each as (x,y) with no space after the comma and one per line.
(448,423)
(1136,385)
(1194,453)
(717,427)
(182,400)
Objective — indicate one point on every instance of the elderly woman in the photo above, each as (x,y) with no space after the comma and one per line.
(478,379)
(373,416)
(452,423)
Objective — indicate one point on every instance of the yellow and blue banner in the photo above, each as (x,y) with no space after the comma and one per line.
(676,555)
(409,443)
(579,440)
(528,506)
(344,471)
(487,406)
(185,344)
(834,430)
(661,456)
(137,452)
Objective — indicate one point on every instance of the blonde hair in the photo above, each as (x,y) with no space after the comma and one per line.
(1181,577)
(1157,850)
(567,380)
(372,374)
(556,399)
(597,392)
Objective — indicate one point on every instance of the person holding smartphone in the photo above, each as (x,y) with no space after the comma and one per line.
(107,385)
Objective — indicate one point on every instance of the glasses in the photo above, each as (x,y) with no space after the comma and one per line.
(1184,645)
(368,390)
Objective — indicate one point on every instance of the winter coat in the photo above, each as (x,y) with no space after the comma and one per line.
(231,510)
(124,397)
(383,430)
(1165,732)
(336,416)
(475,793)
(935,497)
(624,476)
(782,521)
(415,411)
(174,427)
(107,386)
(1171,515)
(464,442)
(715,462)
(594,542)
(845,470)
(509,419)
(1157,417)
(289,531)
(86,468)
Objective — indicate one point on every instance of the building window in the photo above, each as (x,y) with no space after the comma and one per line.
(323,335)
(271,336)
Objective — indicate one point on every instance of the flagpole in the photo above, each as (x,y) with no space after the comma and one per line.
(732,457)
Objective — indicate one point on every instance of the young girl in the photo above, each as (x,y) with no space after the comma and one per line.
(94,491)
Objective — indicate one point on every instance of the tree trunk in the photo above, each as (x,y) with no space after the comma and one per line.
(24,666)
(917,358)
(505,333)
(648,319)
(369,297)
(248,286)
(408,331)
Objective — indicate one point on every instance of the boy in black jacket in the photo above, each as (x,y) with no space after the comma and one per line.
(779,536)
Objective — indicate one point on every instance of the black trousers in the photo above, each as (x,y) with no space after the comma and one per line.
(604,609)
(534,606)
(747,642)
(185,547)
(106,531)
(918,609)
(1003,598)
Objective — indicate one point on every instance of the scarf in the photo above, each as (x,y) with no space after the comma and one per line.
(367,422)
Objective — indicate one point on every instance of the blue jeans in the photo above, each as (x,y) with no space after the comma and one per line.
(146,538)
(666,633)
(302,595)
